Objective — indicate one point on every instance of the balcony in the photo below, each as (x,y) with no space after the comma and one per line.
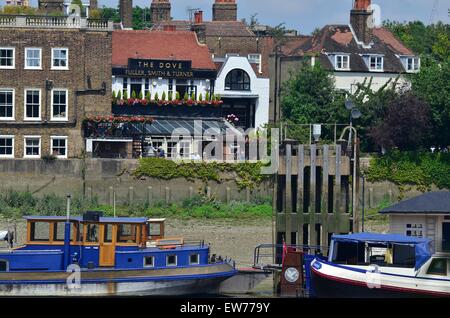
(54,22)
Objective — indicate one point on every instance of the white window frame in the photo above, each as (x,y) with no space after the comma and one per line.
(414,59)
(67,146)
(342,56)
(25,117)
(26,58)
(13,58)
(256,58)
(13,141)
(13,103)
(167,260)
(415,229)
(153,262)
(25,147)
(376,57)
(198,259)
(66,118)
(53,58)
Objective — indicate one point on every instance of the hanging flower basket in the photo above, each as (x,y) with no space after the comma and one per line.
(119,119)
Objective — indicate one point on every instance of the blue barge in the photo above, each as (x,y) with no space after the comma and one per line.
(103,256)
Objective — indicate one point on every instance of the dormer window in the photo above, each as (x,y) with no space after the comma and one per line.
(342,62)
(412,64)
(376,63)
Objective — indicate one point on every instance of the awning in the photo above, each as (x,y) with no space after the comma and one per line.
(165,127)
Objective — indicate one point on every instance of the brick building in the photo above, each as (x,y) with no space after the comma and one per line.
(53,73)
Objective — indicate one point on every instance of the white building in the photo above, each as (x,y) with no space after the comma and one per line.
(244,92)
(427,215)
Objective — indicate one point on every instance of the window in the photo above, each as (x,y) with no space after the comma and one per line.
(256,58)
(59,104)
(60,59)
(126,233)
(194,259)
(92,233)
(7,59)
(108,233)
(32,148)
(438,266)
(33,58)
(412,64)
(415,230)
(6,104)
(4,266)
(171,260)
(6,146)
(185,149)
(237,80)
(32,104)
(39,231)
(149,261)
(59,147)
(342,62)
(376,63)
(58,231)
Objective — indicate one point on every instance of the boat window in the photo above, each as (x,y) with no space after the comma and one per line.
(154,229)
(350,253)
(126,233)
(149,261)
(438,266)
(58,231)
(404,255)
(79,232)
(171,260)
(40,231)
(194,259)
(3,265)
(108,233)
(92,232)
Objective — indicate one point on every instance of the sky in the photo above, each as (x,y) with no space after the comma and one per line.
(306,15)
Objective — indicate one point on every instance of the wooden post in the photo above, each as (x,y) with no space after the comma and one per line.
(300,192)
(324,205)
(337,191)
(312,197)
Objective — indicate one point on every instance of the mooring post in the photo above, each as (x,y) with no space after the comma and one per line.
(312,197)
(300,192)
(288,194)
(324,203)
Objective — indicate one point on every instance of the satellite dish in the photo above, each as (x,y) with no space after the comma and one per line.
(356,113)
(349,104)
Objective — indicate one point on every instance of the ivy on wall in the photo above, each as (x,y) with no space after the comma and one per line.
(248,175)
(412,168)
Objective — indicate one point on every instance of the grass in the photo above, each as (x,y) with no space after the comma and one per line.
(14,205)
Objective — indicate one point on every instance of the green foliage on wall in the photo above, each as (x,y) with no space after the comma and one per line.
(412,168)
(248,175)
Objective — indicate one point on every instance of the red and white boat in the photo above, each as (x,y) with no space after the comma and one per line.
(367,265)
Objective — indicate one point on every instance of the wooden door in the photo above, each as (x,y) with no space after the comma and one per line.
(107,245)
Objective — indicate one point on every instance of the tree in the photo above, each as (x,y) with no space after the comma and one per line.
(405,124)
(432,85)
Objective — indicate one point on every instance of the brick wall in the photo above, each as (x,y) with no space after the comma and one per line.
(224,11)
(89,55)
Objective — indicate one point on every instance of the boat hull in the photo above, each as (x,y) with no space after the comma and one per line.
(327,283)
(164,282)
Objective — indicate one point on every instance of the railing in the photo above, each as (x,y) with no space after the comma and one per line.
(274,253)
(62,22)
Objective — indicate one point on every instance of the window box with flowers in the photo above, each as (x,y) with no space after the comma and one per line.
(123,100)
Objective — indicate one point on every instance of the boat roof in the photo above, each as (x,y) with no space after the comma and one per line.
(380,238)
(80,219)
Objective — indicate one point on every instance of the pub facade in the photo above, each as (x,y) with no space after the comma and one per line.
(163,85)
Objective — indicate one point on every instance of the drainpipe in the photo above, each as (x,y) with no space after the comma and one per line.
(67,235)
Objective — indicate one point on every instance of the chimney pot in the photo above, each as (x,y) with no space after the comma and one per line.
(198,17)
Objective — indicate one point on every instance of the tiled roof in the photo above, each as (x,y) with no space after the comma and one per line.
(432,202)
(213,28)
(165,45)
(340,39)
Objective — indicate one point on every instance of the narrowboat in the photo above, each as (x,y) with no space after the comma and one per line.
(368,265)
(92,255)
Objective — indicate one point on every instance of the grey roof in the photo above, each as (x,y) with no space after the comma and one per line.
(429,203)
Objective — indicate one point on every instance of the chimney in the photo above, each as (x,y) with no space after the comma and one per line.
(225,10)
(361,19)
(93,4)
(126,13)
(199,27)
(169,27)
(160,11)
